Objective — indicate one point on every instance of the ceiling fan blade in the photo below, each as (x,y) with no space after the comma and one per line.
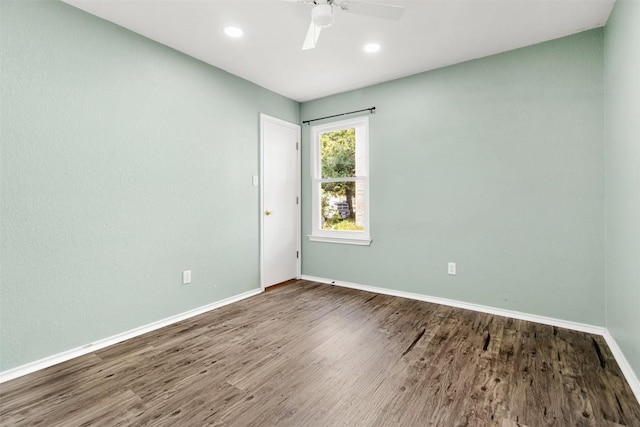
(312,37)
(369,8)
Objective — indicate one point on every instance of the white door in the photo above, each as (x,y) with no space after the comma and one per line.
(279,201)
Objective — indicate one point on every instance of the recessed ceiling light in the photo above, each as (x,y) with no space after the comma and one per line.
(234,32)
(372,47)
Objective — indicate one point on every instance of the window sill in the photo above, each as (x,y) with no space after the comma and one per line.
(341,240)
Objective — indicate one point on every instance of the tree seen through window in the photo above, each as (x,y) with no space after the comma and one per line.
(339,197)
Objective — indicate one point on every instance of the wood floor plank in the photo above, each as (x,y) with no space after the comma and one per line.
(308,354)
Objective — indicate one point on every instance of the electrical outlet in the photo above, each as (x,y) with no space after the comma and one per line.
(451,268)
(186,277)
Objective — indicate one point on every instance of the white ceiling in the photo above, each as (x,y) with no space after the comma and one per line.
(430,34)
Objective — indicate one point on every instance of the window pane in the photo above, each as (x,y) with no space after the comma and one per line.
(342,205)
(338,153)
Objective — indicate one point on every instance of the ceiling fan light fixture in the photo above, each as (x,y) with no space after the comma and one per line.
(322,15)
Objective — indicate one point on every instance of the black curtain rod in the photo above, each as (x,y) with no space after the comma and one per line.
(370,110)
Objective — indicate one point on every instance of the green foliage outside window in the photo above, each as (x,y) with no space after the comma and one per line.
(338,160)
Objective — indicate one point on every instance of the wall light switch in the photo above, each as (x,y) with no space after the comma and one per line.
(186,277)
(451,268)
(254,180)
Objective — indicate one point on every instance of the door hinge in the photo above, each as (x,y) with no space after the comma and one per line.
(296,146)
(297,200)
(297,254)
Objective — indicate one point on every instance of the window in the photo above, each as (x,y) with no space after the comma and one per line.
(340,182)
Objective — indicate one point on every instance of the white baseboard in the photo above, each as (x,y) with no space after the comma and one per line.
(582,327)
(626,369)
(97,345)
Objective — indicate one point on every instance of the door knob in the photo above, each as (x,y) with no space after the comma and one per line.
(267,212)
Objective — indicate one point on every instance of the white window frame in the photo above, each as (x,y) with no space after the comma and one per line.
(361,124)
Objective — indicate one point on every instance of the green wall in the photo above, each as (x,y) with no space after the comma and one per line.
(495,164)
(123,163)
(622,173)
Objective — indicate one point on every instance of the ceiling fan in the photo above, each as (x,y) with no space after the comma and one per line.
(322,14)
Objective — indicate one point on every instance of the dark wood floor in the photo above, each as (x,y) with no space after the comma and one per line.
(307,354)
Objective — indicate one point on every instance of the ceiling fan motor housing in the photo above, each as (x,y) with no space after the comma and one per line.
(322,15)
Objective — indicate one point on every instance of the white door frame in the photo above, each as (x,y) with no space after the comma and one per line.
(296,127)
